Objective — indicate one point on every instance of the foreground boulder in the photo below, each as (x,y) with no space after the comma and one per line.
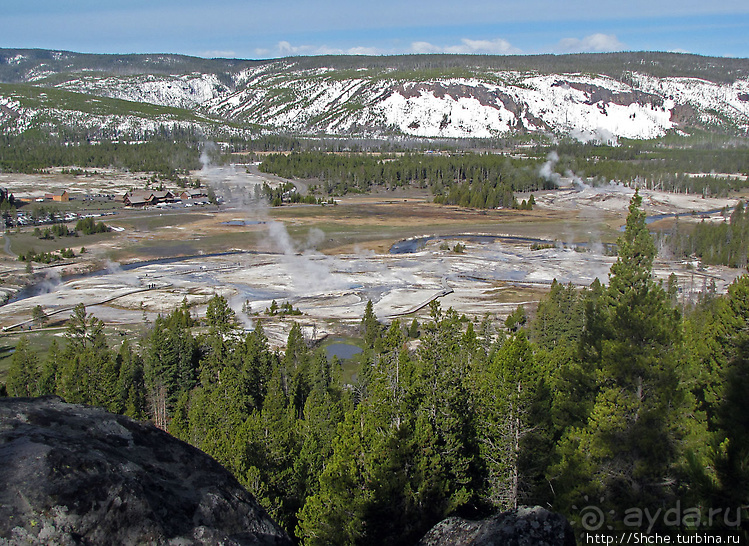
(72,474)
(524,526)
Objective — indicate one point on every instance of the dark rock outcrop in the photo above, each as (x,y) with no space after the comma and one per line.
(72,474)
(525,526)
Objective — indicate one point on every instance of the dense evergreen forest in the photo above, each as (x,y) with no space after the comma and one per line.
(475,180)
(32,151)
(613,395)
(721,243)
(660,164)
(483,180)
(660,64)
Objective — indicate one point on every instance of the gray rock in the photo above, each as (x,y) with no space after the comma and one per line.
(72,474)
(525,526)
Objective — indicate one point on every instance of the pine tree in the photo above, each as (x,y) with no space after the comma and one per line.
(626,449)
(444,405)
(170,366)
(131,388)
(88,371)
(23,373)
(370,326)
(50,374)
(323,411)
(257,364)
(269,448)
(220,317)
(220,342)
(507,392)
(730,455)
(559,318)
(360,500)
(39,316)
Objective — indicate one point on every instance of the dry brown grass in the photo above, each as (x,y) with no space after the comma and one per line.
(360,222)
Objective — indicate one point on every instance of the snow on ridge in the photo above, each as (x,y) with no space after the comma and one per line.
(18,59)
(487,109)
(703,95)
(279,95)
(596,106)
(185,91)
(14,118)
(9,104)
(428,115)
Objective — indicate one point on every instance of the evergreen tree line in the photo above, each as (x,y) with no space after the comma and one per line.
(658,167)
(476,180)
(489,180)
(610,396)
(6,199)
(286,193)
(617,65)
(714,243)
(7,207)
(33,151)
(89,226)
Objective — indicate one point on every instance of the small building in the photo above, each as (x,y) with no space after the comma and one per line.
(147,198)
(59,196)
(29,197)
(193,194)
(162,196)
(138,198)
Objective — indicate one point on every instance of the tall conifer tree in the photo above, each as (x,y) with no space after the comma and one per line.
(626,449)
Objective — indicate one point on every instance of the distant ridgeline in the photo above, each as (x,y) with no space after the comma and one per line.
(601,97)
(613,397)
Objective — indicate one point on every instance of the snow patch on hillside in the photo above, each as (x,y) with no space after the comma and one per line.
(187,91)
(13,117)
(591,107)
(535,104)
(706,97)
(426,115)
(17,59)
(567,109)
(280,96)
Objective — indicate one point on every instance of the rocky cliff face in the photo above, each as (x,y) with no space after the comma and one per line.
(522,527)
(73,474)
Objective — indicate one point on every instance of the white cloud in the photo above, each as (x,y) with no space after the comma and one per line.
(362,50)
(498,46)
(216,54)
(467,46)
(424,47)
(591,44)
(286,49)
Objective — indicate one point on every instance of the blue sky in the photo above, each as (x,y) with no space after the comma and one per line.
(273,28)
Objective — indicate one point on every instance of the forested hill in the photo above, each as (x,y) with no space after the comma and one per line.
(18,65)
(589,96)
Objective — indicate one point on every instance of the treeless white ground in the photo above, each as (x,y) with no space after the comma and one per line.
(490,277)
